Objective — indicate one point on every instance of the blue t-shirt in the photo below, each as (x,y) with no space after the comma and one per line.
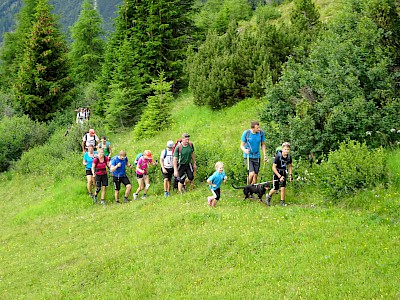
(216,179)
(253,143)
(120,171)
(89,160)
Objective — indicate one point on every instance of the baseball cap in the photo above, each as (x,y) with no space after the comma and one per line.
(170,144)
(91,131)
(185,135)
(148,153)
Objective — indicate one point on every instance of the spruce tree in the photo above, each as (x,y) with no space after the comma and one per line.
(87,46)
(157,34)
(43,80)
(13,47)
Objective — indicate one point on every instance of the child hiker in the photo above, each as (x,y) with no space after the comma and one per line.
(142,173)
(214,182)
(282,168)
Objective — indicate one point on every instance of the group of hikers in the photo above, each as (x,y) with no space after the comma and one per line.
(177,160)
(82,115)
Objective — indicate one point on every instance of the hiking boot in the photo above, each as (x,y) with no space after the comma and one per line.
(144,196)
(135,196)
(283,203)
(209,200)
(126,200)
(94,199)
(268,200)
(102,202)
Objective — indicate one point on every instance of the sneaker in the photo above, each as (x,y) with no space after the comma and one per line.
(283,203)
(268,200)
(166,194)
(102,202)
(117,202)
(95,199)
(144,196)
(126,200)
(135,196)
(90,195)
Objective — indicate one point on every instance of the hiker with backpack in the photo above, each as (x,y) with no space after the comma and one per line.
(252,140)
(282,168)
(142,176)
(90,138)
(117,168)
(99,170)
(167,166)
(87,162)
(184,161)
(106,146)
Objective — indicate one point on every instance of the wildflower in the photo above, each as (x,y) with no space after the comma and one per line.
(368,133)
(392,130)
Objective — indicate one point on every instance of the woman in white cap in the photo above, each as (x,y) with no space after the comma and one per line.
(167,166)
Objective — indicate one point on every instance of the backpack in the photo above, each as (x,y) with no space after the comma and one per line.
(279,154)
(106,160)
(137,158)
(179,145)
(248,134)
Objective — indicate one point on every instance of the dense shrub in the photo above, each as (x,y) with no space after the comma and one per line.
(19,134)
(350,169)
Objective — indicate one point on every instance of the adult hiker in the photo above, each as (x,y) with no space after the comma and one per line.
(282,168)
(118,170)
(142,175)
(99,170)
(90,138)
(251,141)
(184,161)
(87,162)
(167,166)
(106,146)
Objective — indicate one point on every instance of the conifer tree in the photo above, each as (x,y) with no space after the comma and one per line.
(87,46)
(13,47)
(43,80)
(157,34)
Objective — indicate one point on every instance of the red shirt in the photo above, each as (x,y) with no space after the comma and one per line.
(100,168)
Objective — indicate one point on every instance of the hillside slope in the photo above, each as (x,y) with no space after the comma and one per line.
(67,10)
(55,244)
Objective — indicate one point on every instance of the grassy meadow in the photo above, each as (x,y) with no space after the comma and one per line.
(55,244)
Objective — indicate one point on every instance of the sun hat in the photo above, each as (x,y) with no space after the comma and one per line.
(91,131)
(147,153)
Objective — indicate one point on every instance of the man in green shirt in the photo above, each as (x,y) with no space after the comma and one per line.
(184,161)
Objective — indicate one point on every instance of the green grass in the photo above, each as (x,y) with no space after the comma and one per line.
(55,244)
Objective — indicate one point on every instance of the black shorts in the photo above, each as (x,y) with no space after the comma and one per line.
(118,180)
(277,182)
(89,172)
(140,176)
(185,169)
(101,180)
(168,175)
(217,193)
(252,165)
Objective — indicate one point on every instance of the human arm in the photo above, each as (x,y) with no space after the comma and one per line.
(290,172)
(263,148)
(175,162)
(83,146)
(243,147)
(194,161)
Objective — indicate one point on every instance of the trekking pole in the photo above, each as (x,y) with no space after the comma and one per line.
(248,168)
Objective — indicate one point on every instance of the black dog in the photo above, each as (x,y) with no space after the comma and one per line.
(258,189)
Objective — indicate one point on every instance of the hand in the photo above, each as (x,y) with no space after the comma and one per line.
(265,158)
(282,178)
(247,151)
(291,178)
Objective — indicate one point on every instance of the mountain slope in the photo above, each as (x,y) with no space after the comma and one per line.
(67,10)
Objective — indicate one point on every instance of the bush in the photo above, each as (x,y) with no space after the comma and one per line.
(350,169)
(19,134)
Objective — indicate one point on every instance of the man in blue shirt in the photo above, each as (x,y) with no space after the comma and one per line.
(251,141)
(118,166)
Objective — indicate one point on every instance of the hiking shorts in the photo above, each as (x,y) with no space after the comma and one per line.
(168,175)
(277,182)
(89,172)
(254,165)
(101,180)
(185,169)
(118,180)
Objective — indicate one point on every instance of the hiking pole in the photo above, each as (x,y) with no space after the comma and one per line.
(248,168)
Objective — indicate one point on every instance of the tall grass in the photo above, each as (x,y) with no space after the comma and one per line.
(55,244)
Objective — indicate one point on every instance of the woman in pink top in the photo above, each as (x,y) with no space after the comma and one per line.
(141,173)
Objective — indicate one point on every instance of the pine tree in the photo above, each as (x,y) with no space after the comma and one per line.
(42,82)
(12,51)
(156,34)
(87,46)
